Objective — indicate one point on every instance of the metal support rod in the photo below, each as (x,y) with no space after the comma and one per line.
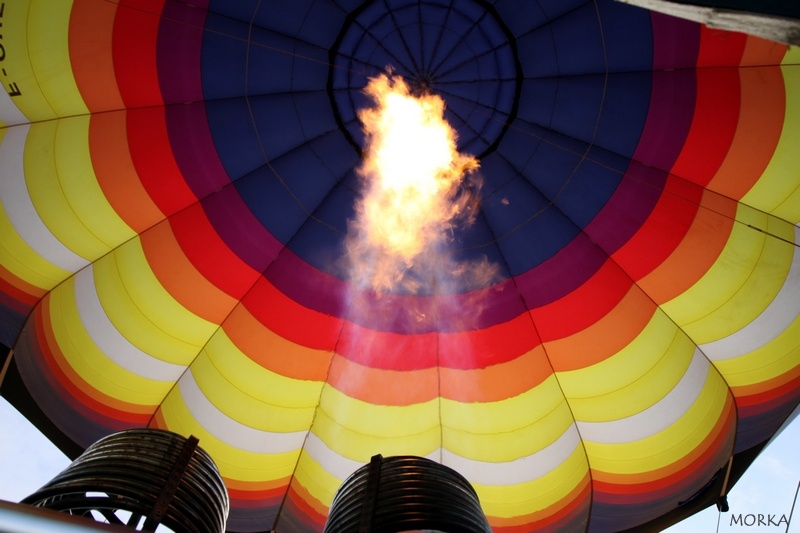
(370,494)
(171,486)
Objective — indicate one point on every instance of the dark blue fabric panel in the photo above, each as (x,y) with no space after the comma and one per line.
(553,163)
(520,16)
(624,113)
(627,37)
(281,64)
(278,124)
(577,106)
(224,58)
(528,227)
(272,203)
(587,191)
(578,42)
(241,10)
(518,147)
(320,241)
(537,53)
(234,136)
(321,23)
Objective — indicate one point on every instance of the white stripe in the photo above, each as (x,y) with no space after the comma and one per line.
(508,473)
(110,341)
(773,321)
(336,465)
(231,432)
(9,112)
(520,470)
(656,418)
(19,207)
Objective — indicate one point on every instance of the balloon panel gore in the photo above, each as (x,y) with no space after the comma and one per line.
(406,493)
(141,478)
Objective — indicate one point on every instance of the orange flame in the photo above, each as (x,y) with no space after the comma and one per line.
(412,171)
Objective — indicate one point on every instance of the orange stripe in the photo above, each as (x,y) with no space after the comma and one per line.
(599,341)
(108,141)
(496,382)
(274,352)
(768,385)
(157,421)
(769,395)
(91,26)
(698,250)
(256,489)
(180,278)
(19,289)
(77,387)
(759,51)
(757,133)
(383,387)
(310,507)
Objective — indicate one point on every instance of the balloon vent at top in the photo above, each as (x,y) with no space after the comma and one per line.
(141,478)
(406,493)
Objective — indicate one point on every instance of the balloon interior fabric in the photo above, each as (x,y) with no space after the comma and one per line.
(177,179)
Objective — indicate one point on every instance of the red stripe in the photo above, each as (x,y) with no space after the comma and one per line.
(716,116)
(135,41)
(155,164)
(209,253)
(583,306)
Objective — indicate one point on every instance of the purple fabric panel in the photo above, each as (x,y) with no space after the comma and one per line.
(307,285)
(398,313)
(676,42)
(562,273)
(629,207)
(668,119)
(240,230)
(194,150)
(180,36)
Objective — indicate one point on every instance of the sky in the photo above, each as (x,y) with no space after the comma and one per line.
(767,488)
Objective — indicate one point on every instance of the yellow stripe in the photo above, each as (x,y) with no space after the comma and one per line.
(64,190)
(635,378)
(780,356)
(668,446)
(91,364)
(778,190)
(358,430)
(143,311)
(232,462)
(231,382)
(507,429)
(37,61)
(508,501)
(22,261)
(509,445)
(792,56)
(712,309)
(256,381)
(316,480)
